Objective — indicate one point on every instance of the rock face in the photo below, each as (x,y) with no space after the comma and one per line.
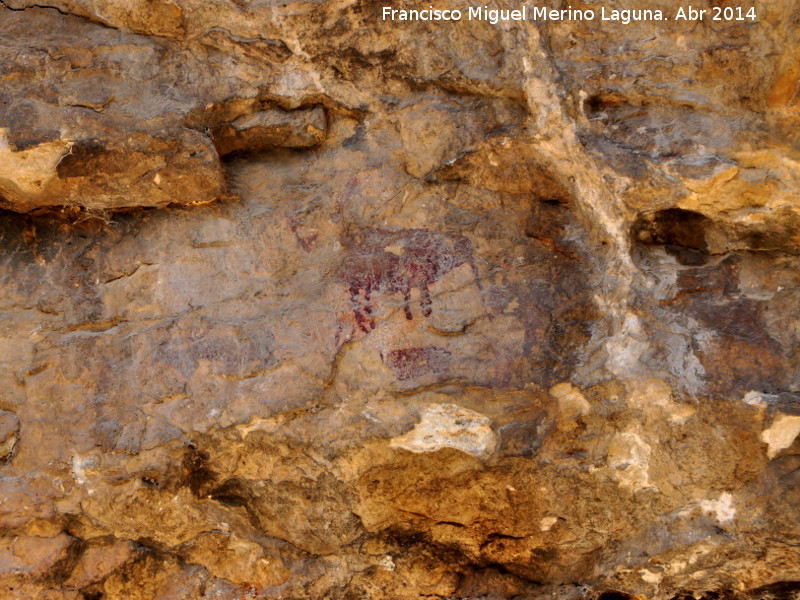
(299,303)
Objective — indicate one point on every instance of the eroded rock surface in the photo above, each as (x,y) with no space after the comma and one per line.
(451,310)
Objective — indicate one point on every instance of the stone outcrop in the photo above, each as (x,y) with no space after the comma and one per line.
(298,303)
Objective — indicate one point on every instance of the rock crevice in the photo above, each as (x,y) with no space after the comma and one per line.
(297,304)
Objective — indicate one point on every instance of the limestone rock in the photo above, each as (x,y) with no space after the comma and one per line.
(426,309)
(9,434)
(102,119)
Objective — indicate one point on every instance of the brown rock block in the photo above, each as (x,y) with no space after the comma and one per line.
(503,310)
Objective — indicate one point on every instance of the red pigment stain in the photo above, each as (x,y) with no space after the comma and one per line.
(410,363)
(395,262)
(306,242)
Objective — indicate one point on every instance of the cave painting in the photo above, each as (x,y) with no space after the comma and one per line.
(395,262)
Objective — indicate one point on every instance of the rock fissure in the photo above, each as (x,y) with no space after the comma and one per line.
(297,304)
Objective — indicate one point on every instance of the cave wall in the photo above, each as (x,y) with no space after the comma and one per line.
(296,303)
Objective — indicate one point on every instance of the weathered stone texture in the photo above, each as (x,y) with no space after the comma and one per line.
(295,303)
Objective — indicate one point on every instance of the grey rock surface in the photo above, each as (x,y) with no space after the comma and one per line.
(295,303)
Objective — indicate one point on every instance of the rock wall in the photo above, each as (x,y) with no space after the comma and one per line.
(298,303)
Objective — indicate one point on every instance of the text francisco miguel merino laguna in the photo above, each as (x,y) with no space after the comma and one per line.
(537,13)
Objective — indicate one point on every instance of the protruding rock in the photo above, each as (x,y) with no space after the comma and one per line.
(304,128)
(9,434)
